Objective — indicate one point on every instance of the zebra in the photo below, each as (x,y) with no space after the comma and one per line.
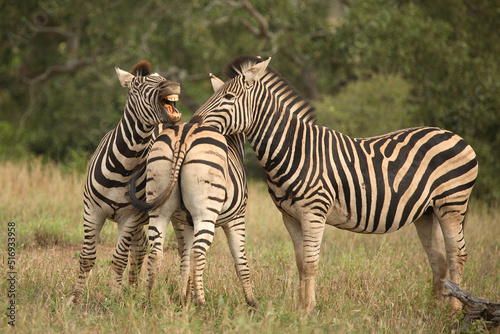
(151,100)
(196,178)
(317,176)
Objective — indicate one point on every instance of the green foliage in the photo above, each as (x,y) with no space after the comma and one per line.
(367,108)
(452,66)
(436,63)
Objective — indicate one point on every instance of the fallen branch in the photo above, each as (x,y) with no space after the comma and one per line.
(476,308)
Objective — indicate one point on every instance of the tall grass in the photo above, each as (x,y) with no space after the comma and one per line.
(45,201)
(365,284)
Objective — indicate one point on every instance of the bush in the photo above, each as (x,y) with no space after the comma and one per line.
(367,108)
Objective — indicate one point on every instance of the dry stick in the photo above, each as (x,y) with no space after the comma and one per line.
(476,308)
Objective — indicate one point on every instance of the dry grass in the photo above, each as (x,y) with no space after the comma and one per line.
(46,203)
(366,284)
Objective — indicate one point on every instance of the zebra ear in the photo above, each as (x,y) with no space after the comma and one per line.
(255,73)
(124,77)
(216,82)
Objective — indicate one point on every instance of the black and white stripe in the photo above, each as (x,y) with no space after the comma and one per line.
(317,176)
(122,151)
(196,179)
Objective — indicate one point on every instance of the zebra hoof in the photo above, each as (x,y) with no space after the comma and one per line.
(252,304)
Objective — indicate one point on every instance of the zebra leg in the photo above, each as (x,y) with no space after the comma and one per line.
(156,232)
(92,229)
(184,244)
(235,234)
(203,236)
(431,237)
(120,256)
(295,230)
(452,220)
(312,235)
(179,235)
(159,218)
(185,282)
(138,249)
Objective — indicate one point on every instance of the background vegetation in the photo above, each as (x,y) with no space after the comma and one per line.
(370,66)
(365,283)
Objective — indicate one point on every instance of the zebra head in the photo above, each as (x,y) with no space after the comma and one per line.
(151,98)
(231,108)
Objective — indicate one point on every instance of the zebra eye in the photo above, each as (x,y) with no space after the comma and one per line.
(228,96)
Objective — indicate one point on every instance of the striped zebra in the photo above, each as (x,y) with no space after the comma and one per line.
(150,101)
(317,176)
(196,178)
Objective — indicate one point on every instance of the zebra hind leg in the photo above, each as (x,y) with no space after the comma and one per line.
(184,236)
(431,237)
(295,230)
(203,235)
(235,234)
(159,219)
(451,216)
(186,283)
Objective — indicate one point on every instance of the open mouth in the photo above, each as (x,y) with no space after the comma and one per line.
(169,103)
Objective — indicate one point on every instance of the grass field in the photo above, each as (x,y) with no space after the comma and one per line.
(365,284)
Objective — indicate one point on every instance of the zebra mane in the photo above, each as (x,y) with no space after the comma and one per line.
(142,68)
(238,66)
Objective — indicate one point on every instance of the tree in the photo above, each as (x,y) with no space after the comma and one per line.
(448,51)
(59,94)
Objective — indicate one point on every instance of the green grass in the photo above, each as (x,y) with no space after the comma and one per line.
(365,284)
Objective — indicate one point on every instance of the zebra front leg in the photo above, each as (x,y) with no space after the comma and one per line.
(235,234)
(313,228)
(203,236)
(138,249)
(121,253)
(156,234)
(179,235)
(92,231)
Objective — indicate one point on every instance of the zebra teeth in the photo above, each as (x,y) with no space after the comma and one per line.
(172,97)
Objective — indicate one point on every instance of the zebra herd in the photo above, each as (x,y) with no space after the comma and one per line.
(193,175)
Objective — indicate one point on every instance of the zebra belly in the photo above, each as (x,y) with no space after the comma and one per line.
(309,209)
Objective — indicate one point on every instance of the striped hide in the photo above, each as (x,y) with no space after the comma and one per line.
(150,101)
(317,176)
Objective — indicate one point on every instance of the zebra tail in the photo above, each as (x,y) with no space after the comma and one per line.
(179,154)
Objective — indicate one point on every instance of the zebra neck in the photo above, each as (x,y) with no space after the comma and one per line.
(280,115)
(276,138)
(132,139)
